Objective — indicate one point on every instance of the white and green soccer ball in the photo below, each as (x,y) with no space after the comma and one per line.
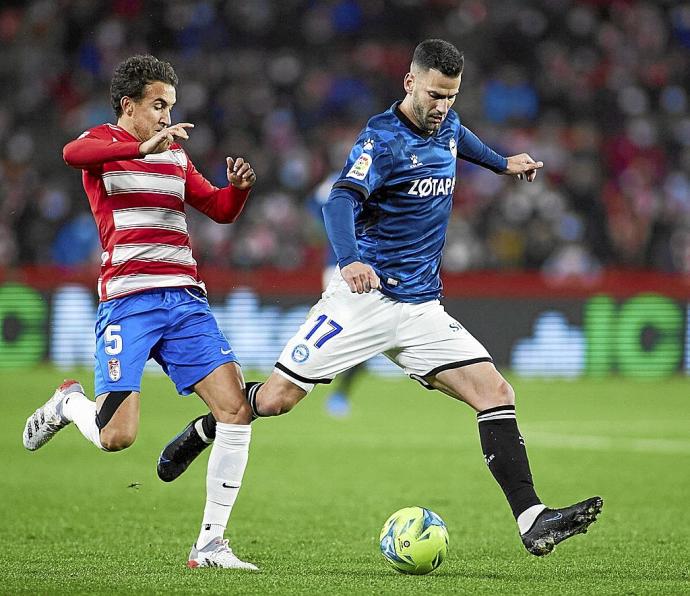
(414,540)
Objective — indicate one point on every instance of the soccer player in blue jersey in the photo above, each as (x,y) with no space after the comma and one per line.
(386,218)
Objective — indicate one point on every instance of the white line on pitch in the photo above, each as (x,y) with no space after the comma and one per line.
(604,443)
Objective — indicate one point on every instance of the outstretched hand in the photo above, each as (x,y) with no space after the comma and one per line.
(523,166)
(162,140)
(240,173)
(360,277)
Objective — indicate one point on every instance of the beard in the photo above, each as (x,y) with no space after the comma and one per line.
(426,122)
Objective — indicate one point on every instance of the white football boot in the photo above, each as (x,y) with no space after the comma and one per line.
(217,553)
(42,425)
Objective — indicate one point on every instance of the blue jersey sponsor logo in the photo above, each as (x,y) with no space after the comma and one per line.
(427,187)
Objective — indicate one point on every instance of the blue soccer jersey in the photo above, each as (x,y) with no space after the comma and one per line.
(404,180)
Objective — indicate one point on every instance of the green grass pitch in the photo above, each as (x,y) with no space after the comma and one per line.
(317,491)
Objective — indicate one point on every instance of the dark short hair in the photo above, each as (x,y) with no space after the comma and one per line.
(132,75)
(439,55)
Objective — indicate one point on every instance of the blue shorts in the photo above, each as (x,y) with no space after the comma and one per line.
(174,326)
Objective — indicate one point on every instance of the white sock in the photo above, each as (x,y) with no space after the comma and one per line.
(527,517)
(82,411)
(226,465)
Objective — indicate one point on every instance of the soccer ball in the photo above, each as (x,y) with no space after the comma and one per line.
(414,540)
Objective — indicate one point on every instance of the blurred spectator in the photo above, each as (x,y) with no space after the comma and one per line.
(597,90)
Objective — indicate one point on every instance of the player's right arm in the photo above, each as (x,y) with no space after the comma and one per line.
(366,169)
(97,146)
(360,277)
(339,218)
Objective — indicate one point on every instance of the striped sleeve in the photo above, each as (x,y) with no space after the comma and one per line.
(96,147)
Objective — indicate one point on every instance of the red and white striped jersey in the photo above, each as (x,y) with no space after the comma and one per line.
(139,207)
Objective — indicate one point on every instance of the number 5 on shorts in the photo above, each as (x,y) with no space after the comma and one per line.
(113,341)
(335,329)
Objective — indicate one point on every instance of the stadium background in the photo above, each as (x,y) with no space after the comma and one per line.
(585,272)
(592,261)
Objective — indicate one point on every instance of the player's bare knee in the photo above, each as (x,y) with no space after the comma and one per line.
(118,419)
(117,439)
(504,394)
(272,406)
(275,404)
(233,413)
(284,406)
(278,396)
(492,395)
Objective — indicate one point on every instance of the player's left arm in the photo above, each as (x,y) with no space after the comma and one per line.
(222,205)
(522,166)
(471,148)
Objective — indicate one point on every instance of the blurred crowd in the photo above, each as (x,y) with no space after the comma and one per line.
(596,89)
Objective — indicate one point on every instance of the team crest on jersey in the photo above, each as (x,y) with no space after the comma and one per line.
(300,354)
(368,145)
(360,168)
(114,371)
(453,148)
(415,161)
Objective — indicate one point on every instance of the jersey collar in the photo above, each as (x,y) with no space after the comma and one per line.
(407,122)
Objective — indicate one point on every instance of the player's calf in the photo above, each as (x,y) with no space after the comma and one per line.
(275,397)
(183,449)
(272,404)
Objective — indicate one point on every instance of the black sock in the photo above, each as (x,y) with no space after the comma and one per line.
(251,389)
(505,454)
(208,424)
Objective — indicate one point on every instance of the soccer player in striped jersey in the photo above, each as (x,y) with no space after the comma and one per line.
(139,180)
(386,218)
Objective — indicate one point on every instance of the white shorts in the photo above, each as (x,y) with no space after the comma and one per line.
(344,329)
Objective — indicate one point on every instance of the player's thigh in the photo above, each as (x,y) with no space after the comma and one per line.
(193,346)
(342,330)
(126,331)
(436,350)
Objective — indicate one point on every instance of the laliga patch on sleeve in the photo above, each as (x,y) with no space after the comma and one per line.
(360,168)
